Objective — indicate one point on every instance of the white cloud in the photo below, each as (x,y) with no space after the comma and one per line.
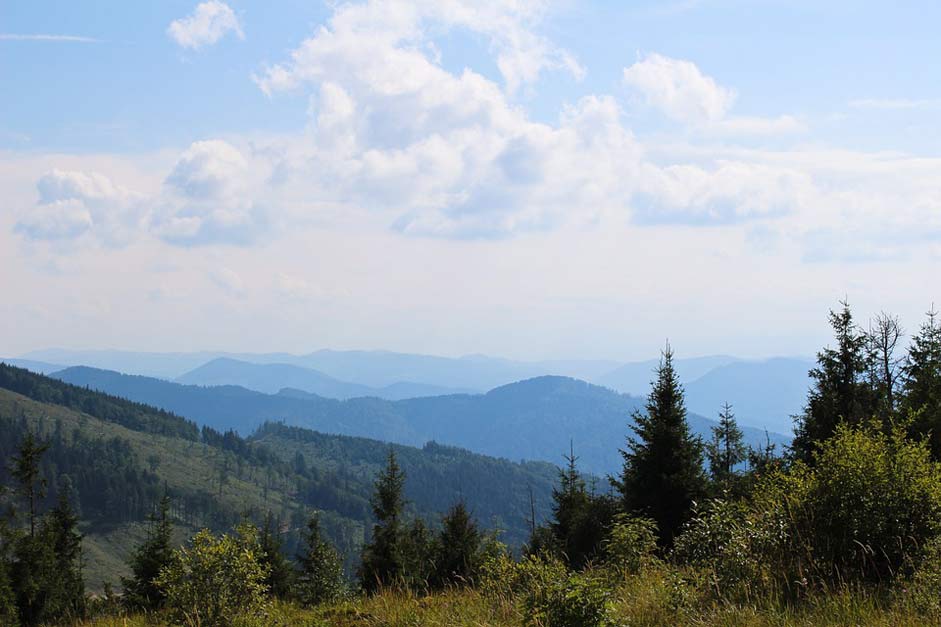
(683,93)
(211,197)
(209,22)
(46,37)
(73,203)
(679,89)
(228,280)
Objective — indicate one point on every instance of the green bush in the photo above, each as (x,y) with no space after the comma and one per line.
(570,600)
(216,582)
(631,543)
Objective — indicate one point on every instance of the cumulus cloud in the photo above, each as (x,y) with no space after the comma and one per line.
(210,197)
(685,94)
(209,22)
(72,204)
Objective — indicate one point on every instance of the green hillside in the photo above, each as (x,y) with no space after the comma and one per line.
(116,458)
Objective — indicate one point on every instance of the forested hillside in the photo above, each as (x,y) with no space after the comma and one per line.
(114,458)
(535,419)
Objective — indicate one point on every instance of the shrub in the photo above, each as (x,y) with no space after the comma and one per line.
(631,543)
(570,600)
(216,582)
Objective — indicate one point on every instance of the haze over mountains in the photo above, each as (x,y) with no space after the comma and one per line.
(534,419)
(765,394)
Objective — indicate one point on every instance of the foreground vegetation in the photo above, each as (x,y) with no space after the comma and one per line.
(845,528)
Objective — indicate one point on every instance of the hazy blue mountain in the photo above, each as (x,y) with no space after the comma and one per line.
(762,393)
(270,378)
(375,369)
(532,419)
(40,367)
(635,377)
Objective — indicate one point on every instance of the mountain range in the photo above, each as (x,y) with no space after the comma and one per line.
(534,419)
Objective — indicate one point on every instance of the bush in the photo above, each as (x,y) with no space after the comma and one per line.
(570,600)
(631,543)
(216,582)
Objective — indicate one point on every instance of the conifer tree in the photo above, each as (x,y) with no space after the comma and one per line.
(662,474)
(458,548)
(65,585)
(580,518)
(921,383)
(726,449)
(279,571)
(31,486)
(320,572)
(840,392)
(8,613)
(146,562)
(382,559)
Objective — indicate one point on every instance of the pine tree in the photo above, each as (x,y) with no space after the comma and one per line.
(279,570)
(662,474)
(149,559)
(726,450)
(458,548)
(8,613)
(382,559)
(320,573)
(840,391)
(31,486)
(65,585)
(921,383)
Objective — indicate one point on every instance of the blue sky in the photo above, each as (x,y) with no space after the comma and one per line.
(530,179)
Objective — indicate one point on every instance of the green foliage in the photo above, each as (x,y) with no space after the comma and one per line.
(557,598)
(383,561)
(840,390)
(280,573)
(320,575)
(725,450)
(65,586)
(214,582)
(631,544)
(662,474)
(921,383)
(147,560)
(458,549)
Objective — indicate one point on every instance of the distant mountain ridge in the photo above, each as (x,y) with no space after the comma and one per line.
(271,378)
(534,419)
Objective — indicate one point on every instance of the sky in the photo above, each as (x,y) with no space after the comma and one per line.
(528,179)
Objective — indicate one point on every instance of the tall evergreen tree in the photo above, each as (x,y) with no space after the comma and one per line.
(382,559)
(458,548)
(320,572)
(662,473)
(570,506)
(147,560)
(727,448)
(280,572)
(30,485)
(65,585)
(840,391)
(921,383)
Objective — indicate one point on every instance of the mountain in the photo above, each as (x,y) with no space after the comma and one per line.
(375,369)
(271,378)
(40,367)
(763,394)
(535,419)
(118,456)
(635,377)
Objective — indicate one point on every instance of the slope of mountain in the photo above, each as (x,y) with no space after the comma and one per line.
(532,419)
(40,367)
(763,394)
(634,378)
(271,378)
(119,455)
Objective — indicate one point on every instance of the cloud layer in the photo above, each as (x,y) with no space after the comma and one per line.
(209,22)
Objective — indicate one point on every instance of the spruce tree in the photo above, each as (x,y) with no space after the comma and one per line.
(726,450)
(662,474)
(921,383)
(458,548)
(147,560)
(382,559)
(65,585)
(279,570)
(31,486)
(840,391)
(320,572)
